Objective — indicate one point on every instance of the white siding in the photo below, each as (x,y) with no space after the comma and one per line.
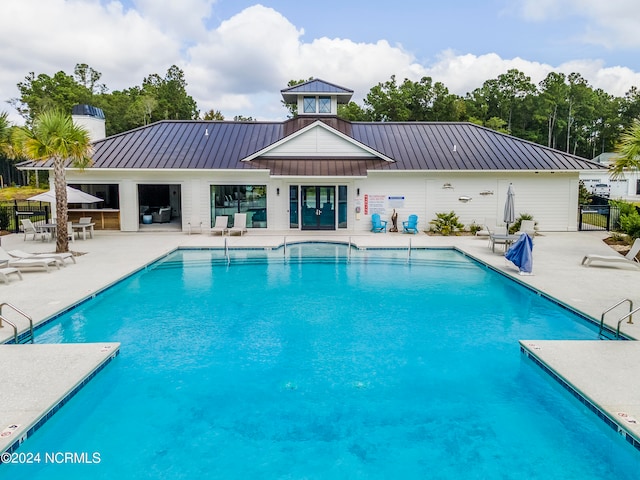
(317,140)
(550,198)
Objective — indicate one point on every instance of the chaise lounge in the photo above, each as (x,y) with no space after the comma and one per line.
(27,263)
(221,225)
(628,259)
(61,257)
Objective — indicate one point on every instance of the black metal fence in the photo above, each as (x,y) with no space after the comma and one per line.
(11,214)
(599,215)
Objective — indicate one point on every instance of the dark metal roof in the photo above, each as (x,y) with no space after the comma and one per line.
(317,87)
(414,146)
(88,110)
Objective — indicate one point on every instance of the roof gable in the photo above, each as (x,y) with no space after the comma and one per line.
(318,140)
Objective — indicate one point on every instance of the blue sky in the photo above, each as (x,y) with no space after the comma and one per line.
(238,54)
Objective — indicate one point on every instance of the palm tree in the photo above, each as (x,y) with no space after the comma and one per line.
(55,137)
(628,150)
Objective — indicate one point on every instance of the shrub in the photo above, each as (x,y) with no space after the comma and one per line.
(630,224)
(474,228)
(446,223)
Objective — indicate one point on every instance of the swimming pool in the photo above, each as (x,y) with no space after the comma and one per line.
(315,368)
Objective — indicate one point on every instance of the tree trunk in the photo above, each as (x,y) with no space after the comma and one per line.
(62,237)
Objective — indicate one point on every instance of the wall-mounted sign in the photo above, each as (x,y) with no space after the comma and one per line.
(374,204)
(396,201)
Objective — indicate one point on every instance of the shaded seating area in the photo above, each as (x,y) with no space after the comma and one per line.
(630,258)
(410,225)
(378,225)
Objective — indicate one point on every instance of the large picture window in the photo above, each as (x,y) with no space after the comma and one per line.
(228,200)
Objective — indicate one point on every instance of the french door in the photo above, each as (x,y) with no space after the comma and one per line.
(318,207)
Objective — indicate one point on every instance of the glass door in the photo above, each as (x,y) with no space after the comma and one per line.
(317,207)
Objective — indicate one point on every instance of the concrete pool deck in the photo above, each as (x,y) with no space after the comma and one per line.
(557,272)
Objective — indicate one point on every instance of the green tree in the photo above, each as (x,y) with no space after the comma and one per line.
(55,137)
(42,92)
(213,115)
(411,102)
(5,134)
(628,150)
(88,77)
(352,112)
(171,94)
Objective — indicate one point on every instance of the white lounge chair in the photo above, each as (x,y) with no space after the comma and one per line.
(61,257)
(27,263)
(221,225)
(239,224)
(6,271)
(488,227)
(629,259)
(528,227)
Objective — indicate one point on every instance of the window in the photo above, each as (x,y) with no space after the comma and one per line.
(342,206)
(231,199)
(293,206)
(324,105)
(309,104)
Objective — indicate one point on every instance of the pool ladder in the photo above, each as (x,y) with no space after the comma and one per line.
(628,316)
(29,336)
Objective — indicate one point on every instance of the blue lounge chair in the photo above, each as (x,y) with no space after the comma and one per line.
(377,224)
(411,225)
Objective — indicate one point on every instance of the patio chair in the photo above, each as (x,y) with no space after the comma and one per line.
(628,259)
(528,227)
(84,220)
(163,215)
(30,229)
(60,257)
(410,225)
(488,227)
(27,263)
(378,225)
(239,224)
(221,225)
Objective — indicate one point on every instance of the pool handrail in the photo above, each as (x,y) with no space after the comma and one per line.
(628,315)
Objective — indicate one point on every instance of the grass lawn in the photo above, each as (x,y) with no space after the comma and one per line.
(9,194)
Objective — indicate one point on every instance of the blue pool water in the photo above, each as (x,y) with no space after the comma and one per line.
(319,369)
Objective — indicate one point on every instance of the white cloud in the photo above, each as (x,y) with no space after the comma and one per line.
(182,19)
(610,23)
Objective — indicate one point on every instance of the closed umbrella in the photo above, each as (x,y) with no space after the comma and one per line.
(73,196)
(509,208)
(521,254)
